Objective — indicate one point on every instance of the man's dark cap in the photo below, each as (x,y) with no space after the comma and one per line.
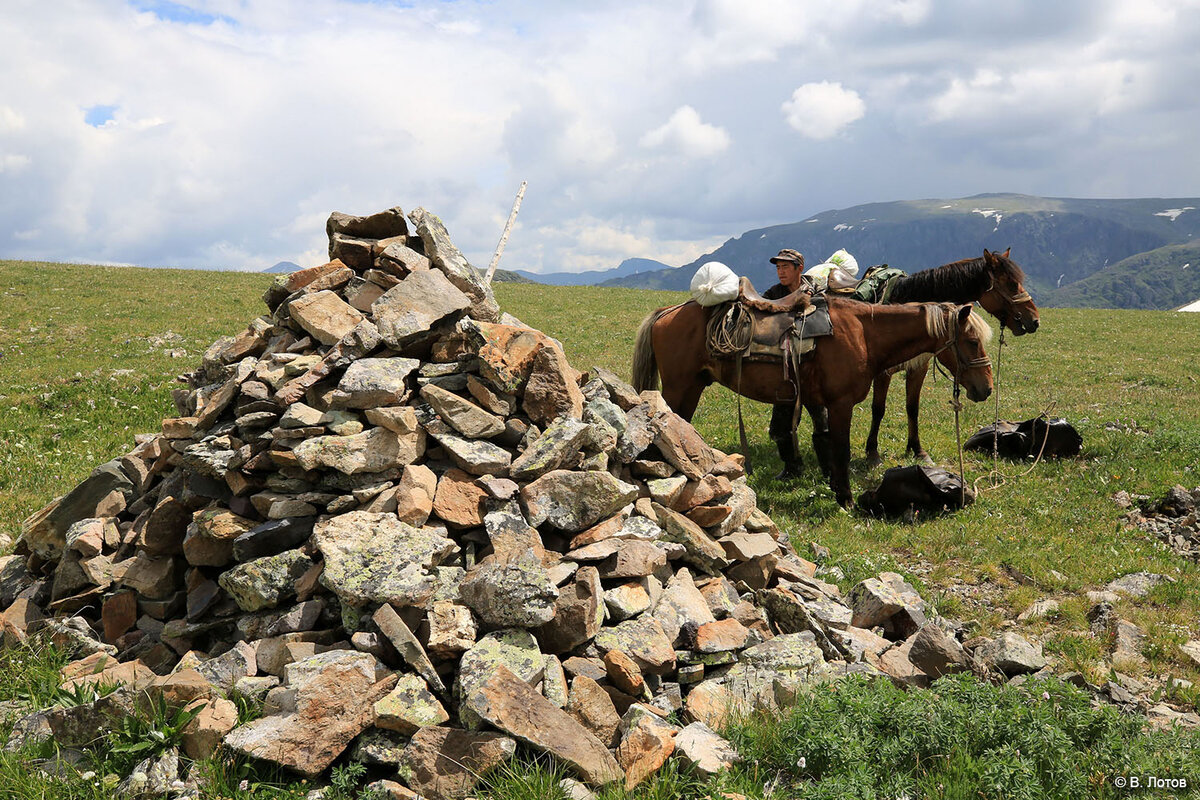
(788,254)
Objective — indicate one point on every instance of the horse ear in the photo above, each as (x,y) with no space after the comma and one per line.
(964,314)
(1006,252)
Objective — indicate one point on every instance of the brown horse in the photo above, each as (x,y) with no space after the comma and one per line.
(995,282)
(866,340)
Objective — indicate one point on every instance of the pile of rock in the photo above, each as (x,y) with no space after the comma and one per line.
(404,523)
(1172,518)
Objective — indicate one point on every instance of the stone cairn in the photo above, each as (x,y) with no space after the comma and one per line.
(401,521)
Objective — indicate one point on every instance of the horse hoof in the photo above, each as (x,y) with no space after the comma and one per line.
(874,461)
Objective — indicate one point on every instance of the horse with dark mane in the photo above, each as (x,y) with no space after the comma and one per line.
(995,282)
(866,340)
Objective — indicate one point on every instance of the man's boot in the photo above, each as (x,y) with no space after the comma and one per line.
(784,437)
(792,465)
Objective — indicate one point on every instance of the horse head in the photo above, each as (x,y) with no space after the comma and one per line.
(964,355)
(1007,299)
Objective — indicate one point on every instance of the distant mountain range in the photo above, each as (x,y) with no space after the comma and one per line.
(283,266)
(1138,253)
(627,268)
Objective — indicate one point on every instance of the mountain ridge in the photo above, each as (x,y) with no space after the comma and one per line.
(628,267)
(1058,241)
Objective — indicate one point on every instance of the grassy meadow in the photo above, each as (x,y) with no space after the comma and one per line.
(89,355)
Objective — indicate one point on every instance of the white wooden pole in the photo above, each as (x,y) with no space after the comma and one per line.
(491,270)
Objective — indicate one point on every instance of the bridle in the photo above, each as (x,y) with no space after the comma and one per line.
(962,363)
(1012,299)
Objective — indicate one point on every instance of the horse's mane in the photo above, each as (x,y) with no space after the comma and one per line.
(957,282)
(940,319)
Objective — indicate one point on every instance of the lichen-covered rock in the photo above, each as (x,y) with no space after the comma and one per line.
(561,441)
(409,707)
(510,591)
(265,582)
(376,450)
(376,558)
(513,649)
(571,501)
(408,311)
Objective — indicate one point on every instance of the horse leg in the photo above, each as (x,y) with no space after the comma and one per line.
(784,436)
(686,399)
(914,379)
(820,438)
(878,406)
(839,433)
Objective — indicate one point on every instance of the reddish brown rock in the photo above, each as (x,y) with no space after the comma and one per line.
(593,708)
(578,615)
(332,706)
(624,673)
(414,494)
(647,744)
(506,353)
(458,501)
(210,537)
(511,705)
(721,636)
(708,489)
(118,614)
(203,735)
(447,763)
(324,315)
(551,390)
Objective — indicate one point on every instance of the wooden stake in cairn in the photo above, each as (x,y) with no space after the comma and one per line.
(491,270)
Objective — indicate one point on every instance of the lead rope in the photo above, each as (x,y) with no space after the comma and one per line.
(996,421)
(962,473)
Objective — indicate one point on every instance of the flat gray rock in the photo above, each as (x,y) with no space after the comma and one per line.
(376,558)
(407,312)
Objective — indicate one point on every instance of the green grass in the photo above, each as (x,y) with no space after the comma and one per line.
(85,363)
(962,738)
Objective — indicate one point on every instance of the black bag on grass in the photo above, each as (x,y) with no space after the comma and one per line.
(916,488)
(1025,439)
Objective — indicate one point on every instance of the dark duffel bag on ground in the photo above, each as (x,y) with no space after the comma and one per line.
(916,488)
(1025,439)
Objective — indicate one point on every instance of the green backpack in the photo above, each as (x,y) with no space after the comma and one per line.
(876,284)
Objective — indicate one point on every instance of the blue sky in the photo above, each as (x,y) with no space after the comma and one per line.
(221,133)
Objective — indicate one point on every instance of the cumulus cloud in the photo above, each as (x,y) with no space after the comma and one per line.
(688,134)
(823,110)
(223,132)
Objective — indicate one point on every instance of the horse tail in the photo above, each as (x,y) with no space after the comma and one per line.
(645,368)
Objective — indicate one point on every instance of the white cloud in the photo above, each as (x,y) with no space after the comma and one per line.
(13,162)
(688,134)
(232,140)
(823,110)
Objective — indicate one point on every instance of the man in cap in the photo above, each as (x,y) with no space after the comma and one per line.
(789,264)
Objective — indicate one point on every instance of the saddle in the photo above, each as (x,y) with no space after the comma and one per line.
(757,329)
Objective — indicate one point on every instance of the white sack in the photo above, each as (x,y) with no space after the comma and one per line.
(846,261)
(714,283)
(840,271)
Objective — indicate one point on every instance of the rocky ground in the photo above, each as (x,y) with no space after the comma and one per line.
(401,525)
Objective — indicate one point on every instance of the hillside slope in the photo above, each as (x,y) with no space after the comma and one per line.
(1166,277)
